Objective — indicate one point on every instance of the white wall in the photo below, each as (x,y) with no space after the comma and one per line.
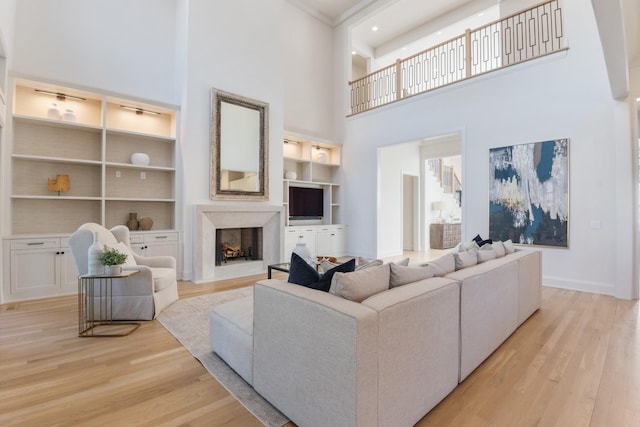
(308,74)
(538,101)
(118,45)
(236,47)
(393,162)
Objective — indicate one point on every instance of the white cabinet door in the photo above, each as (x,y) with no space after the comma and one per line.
(295,235)
(331,241)
(324,242)
(339,241)
(34,273)
(68,273)
(161,244)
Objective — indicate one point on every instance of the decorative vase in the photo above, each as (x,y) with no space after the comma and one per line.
(303,252)
(145,223)
(141,159)
(291,175)
(95,268)
(112,270)
(53,113)
(133,223)
(69,115)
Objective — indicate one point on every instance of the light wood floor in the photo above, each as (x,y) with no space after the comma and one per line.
(576,362)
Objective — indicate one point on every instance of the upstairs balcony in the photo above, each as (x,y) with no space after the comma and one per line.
(523,36)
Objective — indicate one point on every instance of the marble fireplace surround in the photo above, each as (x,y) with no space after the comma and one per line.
(209,218)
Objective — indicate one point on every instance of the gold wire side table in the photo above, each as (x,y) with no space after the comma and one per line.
(95,306)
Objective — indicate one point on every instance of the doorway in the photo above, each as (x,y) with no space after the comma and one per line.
(410,212)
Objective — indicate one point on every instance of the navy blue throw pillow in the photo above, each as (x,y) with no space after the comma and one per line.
(301,273)
(481,242)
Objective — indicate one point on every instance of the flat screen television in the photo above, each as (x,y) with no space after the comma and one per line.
(305,203)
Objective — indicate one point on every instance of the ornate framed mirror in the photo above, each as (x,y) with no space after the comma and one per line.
(239,147)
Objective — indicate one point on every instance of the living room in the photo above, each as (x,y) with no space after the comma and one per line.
(174,52)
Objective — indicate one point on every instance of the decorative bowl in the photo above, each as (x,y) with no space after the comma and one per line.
(141,159)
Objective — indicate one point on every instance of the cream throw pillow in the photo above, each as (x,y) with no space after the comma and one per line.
(401,275)
(485,254)
(442,266)
(362,263)
(404,262)
(499,248)
(465,259)
(508,247)
(360,285)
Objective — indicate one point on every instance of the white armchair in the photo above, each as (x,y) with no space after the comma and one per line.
(139,297)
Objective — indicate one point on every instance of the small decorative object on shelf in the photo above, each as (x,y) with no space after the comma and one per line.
(53,113)
(141,159)
(321,157)
(61,183)
(133,223)
(145,223)
(112,259)
(291,175)
(95,267)
(69,115)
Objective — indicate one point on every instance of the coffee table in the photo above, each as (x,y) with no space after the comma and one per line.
(283,266)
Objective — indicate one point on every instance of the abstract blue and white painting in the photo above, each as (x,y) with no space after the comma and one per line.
(529,193)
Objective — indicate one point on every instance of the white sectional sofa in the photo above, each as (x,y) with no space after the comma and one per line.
(387,360)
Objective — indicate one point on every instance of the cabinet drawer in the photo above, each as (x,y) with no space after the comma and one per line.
(136,238)
(160,237)
(53,242)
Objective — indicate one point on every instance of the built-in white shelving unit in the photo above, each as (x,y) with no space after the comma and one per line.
(316,165)
(92,144)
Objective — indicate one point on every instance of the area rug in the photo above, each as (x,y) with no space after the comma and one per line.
(188,321)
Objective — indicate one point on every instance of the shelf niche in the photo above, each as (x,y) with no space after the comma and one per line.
(96,155)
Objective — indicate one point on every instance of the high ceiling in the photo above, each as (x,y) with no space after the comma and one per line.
(400,20)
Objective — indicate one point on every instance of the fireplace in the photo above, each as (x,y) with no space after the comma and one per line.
(238,244)
(217,223)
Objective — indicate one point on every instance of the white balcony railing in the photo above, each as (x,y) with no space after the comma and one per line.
(521,37)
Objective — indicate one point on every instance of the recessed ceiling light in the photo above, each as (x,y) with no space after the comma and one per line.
(439,32)
(481,14)
(374,28)
(353,52)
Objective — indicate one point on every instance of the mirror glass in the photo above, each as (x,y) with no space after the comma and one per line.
(238,147)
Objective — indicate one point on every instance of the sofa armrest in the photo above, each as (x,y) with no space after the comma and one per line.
(313,351)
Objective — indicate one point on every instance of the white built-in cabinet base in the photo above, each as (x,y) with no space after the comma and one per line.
(43,266)
(321,240)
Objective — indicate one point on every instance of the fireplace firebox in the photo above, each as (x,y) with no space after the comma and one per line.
(238,244)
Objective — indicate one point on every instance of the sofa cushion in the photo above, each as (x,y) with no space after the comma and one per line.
(442,266)
(486,254)
(465,259)
(231,335)
(401,275)
(404,261)
(361,263)
(498,246)
(301,273)
(508,247)
(362,284)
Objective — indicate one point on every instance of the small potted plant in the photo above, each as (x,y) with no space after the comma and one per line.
(112,259)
